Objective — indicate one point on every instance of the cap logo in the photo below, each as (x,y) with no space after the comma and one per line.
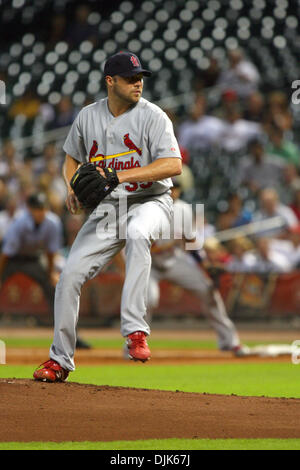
(134,61)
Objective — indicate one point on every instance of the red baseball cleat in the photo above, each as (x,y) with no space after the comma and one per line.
(138,349)
(50,371)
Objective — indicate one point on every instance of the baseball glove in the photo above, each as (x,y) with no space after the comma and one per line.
(90,187)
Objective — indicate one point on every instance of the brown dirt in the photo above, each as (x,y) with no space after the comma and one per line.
(37,411)
(98,356)
(195,334)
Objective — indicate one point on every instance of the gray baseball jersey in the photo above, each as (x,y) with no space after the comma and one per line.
(135,138)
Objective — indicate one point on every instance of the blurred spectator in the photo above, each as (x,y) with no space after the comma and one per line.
(294,237)
(64,113)
(258,170)
(295,204)
(12,209)
(26,185)
(39,164)
(278,113)
(289,247)
(53,185)
(27,105)
(80,30)
(3,194)
(282,147)
(235,215)
(9,155)
(254,109)
(200,131)
(270,207)
(228,100)
(72,225)
(36,232)
(267,260)
(237,131)
(291,184)
(209,77)
(241,74)
(243,257)
(11,165)
(216,253)
(47,114)
(34,235)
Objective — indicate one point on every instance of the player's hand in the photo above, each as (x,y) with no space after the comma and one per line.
(101,171)
(73,204)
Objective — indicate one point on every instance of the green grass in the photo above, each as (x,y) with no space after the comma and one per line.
(117,343)
(27,342)
(268,379)
(164,444)
(108,343)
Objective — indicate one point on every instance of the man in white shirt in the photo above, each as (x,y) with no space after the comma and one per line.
(257,170)
(200,131)
(270,207)
(238,132)
(241,76)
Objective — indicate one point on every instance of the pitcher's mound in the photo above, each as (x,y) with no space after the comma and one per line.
(37,411)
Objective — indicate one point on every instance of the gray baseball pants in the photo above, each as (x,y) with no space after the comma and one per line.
(185,273)
(107,230)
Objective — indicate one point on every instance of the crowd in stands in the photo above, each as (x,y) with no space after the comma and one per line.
(243,119)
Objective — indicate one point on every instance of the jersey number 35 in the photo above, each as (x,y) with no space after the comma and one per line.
(134,186)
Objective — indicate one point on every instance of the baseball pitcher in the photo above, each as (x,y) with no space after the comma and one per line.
(121,153)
